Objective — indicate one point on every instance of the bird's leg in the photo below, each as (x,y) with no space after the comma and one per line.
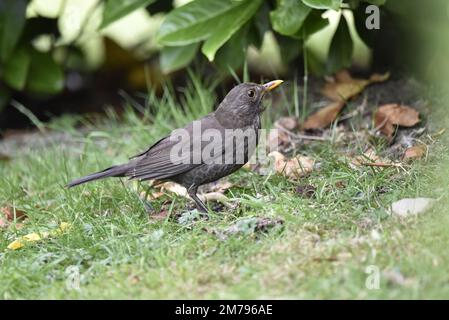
(192,193)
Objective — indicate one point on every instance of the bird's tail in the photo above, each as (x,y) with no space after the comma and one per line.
(115,171)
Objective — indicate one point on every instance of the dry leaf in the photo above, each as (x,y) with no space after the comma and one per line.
(370,158)
(307,190)
(160,216)
(278,140)
(323,117)
(415,152)
(415,206)
(33,237)
(288,123)
(389,115)
(345,87)
(293,168)
(209,196)
(9,213)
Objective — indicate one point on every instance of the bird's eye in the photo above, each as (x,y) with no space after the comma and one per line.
(251,93)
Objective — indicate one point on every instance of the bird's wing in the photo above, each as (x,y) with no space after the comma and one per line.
(162,161)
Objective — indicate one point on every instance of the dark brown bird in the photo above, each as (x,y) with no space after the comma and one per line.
(205,150)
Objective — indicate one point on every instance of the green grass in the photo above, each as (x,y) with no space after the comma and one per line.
(321,251)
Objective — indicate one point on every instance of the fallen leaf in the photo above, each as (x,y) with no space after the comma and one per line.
(278,140)
(415,152)
(288,123)
(160,216)
(34,237)
(307,190)
(370,158)
(293,168)
(413,206)
(217,195)
(323,117)
(345,87)
(11,213)
(389,115)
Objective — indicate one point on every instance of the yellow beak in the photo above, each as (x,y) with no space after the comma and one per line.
(272,84)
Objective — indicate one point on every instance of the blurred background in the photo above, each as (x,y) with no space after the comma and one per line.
(82,56)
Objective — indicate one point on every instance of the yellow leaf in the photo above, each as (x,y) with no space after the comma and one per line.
(33,237)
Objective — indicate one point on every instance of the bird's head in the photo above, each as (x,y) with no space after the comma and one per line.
(244,101)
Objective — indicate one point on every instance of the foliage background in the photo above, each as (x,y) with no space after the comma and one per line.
(53,48)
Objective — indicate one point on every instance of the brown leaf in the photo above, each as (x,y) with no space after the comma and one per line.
(371,159)
(307,190)
(345,87)
(389,115)
(323,117)
(293,168)
(288,123)
(8,212)
(415,152)
(278,140)
(160,216)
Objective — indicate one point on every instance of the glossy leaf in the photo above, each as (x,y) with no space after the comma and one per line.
(232,55)
(194,21)
(116,9)
(16,69)
(341,48)
(323,4)
(289,16)
(229,24)
(174,58)
(12,22)
(45,75)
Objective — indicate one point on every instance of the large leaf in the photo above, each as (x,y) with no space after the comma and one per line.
(340,51)
(289,16)
(116,9)
(232,55)
(16,69)
(45,75)
(174,58)
(194,22)
(12,21)
(229,24)
(289,48)
(323,4)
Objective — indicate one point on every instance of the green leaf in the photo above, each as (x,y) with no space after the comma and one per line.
(229,24)
(323,4)
(289,48)
(12,21)
(194,21)
(232,55)
(16,69)
(45,75)
(376,2)
(117,9)
(340,51)
(313,23)
(289,16)
(174,58)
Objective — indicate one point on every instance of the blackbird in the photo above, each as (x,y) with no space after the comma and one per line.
(205,150)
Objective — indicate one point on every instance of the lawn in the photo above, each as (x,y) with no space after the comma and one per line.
(329,245)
